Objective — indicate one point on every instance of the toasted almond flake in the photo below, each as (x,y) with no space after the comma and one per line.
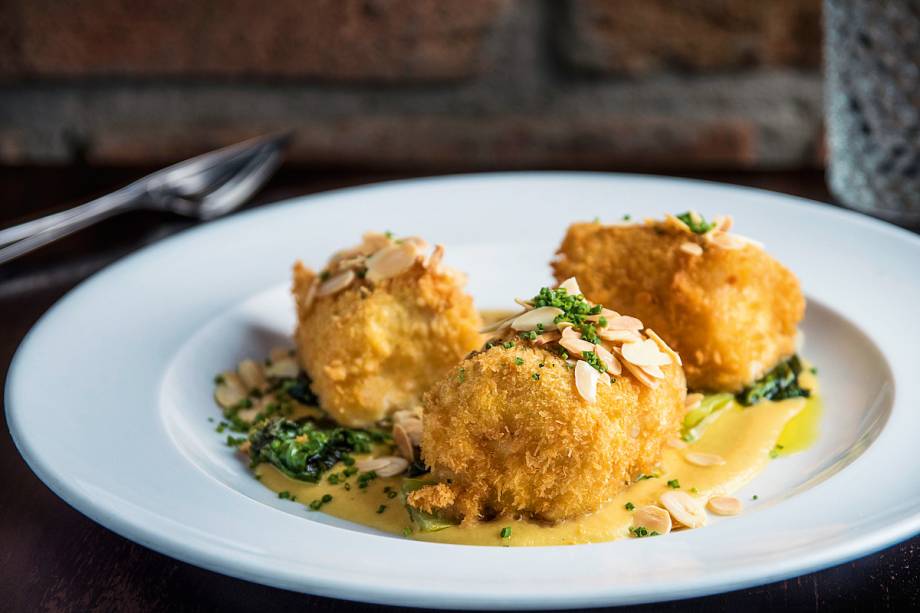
(605,313)
(700,458)
(391,262)
(435,258)
(418,242)
(527,304)
(413,428)
(586,378)
(725,505)
(373,241)
(532,320)
(676,443)
(624,322)
(673,222)
(653,371)
(310,296)
(609,360)
(285,367)
(644,353)
(653,518)
(547,337)
(570,286)
(723,223)
(691,248)
(251,374)
(575,346)
(726,241)
(227,396)
(619,336)
(280,353)
(386,466)
(637,372)
(403,442)
(500,324)
(683,508)
(605,378)
(664,346)
(336,284)
(693,401)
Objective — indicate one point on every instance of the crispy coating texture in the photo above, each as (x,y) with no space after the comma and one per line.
(518,446)
(371,351)
(731,314)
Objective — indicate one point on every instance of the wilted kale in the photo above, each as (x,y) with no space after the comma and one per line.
(780,383)
(303,450)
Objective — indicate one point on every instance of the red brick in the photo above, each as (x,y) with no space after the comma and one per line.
(391,40)
(644,36)
(435,142)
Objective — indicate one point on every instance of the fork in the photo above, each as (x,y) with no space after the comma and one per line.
(203,187)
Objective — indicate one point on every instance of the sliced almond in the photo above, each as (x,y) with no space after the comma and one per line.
(644,353)
(725,505)
(386,466)
(700,458)
(624,322)
(228,396)
(653,371)
(652,518)
(541,318)
(391,261)
(664,346)
(283,368)
(693,401)
(500,324)
(586,378)
(637,372)
(727,241)
(575,346)
(547,337)
(723,223)
(684,509)
(570,286)
(310,296)
(435,258)
(251,374)
(403,442)
(672,221)
(676,443)
(691,248)
(619,336)
(609,360)
(337,283)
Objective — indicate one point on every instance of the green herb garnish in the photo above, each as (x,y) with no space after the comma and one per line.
(642,531)
(629,506)
(506,532)
(674,484)
(594,361)
(779,384)
(518,361)
(695,222)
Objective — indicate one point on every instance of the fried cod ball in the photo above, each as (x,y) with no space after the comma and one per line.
(719,300)
(379,325)
(509,432)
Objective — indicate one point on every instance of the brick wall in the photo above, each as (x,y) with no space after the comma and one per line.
(458,84)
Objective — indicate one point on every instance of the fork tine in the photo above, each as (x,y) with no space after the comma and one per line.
(241,185)
(205,163)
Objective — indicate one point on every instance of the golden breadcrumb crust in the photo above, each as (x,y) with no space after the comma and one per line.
(731,314)
(371,351)
(510,444)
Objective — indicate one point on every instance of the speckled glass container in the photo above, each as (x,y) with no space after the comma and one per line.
(872,61)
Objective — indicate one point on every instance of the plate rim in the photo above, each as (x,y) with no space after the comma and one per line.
(841,553)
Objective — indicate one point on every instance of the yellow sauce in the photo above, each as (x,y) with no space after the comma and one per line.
(743,437)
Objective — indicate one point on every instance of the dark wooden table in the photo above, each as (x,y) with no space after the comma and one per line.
(53,558)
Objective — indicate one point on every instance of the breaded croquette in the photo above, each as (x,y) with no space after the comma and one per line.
(721,301)
(534,426)
(379,325)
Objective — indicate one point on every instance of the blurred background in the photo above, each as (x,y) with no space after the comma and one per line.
(428,85)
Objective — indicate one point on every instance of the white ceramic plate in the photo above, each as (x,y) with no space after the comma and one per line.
(109,395)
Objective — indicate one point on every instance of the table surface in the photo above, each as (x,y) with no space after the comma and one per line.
(53,558)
